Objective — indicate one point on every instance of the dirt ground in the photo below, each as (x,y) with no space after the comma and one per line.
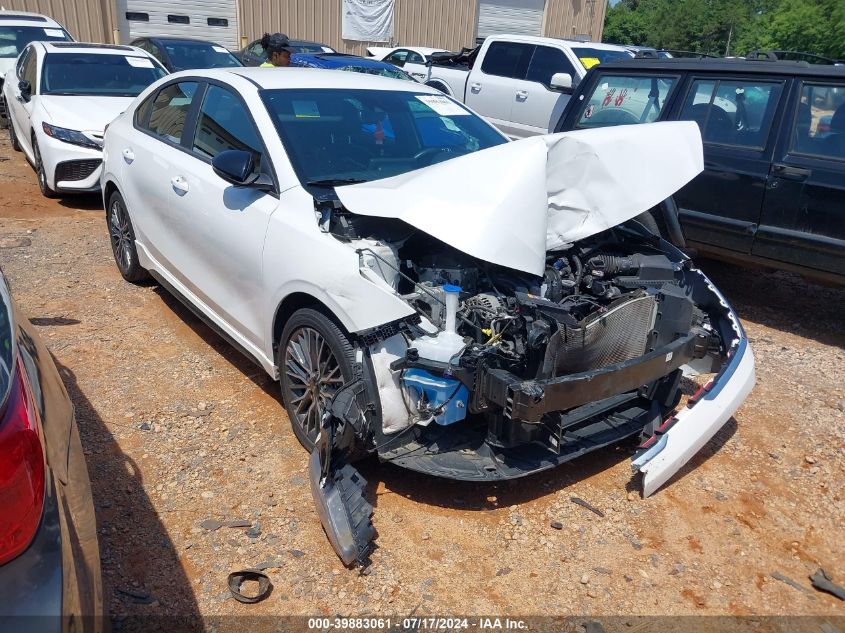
(182,433)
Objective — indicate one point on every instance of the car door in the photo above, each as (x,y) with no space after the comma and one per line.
(491,89)
(218,229)
(737,115)
(20,108)
(535,101)
(149,155)
(803,219)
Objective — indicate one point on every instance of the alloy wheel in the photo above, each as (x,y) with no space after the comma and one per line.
(314,375)
(121,238)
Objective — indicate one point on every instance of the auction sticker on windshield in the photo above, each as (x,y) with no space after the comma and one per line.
(443,106)
(53,33)
(219,49)
(305,109)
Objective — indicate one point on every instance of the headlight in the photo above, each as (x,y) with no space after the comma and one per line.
(69,136)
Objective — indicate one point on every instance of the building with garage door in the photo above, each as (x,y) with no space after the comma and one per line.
(448,24)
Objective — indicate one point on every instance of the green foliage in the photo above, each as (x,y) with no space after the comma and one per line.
(732,26)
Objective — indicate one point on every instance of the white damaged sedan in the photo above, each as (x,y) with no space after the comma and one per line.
(423,289)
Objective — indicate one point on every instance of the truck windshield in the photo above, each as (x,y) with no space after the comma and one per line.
(337,136)
(95,74)
(590,57)
(624,99)
(13,39)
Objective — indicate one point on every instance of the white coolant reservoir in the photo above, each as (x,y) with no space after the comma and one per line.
(447,344)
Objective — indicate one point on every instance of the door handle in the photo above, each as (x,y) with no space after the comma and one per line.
(475,87)
(788,172)
(522,95)
(179,184)
(128,155)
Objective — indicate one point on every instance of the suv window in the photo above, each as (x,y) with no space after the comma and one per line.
(170,109)
(415,58)
(507,59)
(545,62)
(819,126)
(256,50)
(733,112)
(224,124)
(624,99)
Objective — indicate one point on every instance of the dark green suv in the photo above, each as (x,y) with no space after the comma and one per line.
(773,187)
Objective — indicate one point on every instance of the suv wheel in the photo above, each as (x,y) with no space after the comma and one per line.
(122,238)
(314,359)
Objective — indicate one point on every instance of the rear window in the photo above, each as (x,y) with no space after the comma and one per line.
(590,57)
(625,99)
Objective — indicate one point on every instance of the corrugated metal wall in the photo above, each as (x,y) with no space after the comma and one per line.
(87,20)
(565,18)
(441,23)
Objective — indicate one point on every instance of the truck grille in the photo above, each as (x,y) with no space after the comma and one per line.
(76,169)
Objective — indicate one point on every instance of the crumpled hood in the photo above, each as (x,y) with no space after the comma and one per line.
(510,204)
(86,114)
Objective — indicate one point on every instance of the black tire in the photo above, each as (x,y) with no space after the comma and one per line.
(13,138)
(46,191)
(122,238)
(305,392)
(648,221)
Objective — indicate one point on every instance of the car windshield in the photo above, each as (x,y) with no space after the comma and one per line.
(93,74)
(189,55)
(624,99)
(590,57)
(392,71)
(302,47)
(337,136)
(13,39)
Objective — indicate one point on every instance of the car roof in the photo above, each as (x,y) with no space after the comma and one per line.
(176,40)
(339,60)
(88,47)
(422,50)
(280,78)
(25,18)
(722,65)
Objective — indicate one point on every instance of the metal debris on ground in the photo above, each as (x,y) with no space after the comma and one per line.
(786,579)
(584,504)
(824,582)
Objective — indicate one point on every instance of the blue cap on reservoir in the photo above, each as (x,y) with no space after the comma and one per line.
(451,288)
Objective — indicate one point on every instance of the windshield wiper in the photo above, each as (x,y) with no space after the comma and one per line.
(335,182)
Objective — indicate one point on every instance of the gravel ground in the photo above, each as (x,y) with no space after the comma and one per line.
(185,437)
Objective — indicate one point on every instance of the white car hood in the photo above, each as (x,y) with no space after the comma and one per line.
(512,203)
(6,63)
(86,114)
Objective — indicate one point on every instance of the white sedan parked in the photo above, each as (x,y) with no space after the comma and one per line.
(423,289)
(411,59)
(61,96)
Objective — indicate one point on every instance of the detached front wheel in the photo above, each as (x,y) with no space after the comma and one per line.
(314,360)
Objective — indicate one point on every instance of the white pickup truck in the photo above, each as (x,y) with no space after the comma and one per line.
(519,83)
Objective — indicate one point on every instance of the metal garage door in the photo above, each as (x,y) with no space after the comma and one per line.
(214,20)
(517,17)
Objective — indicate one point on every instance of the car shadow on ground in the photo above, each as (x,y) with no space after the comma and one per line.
(82,201)
(145,587)
(781,300)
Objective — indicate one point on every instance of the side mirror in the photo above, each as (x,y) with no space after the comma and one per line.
(235,167)
(562,82)
(26,89)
